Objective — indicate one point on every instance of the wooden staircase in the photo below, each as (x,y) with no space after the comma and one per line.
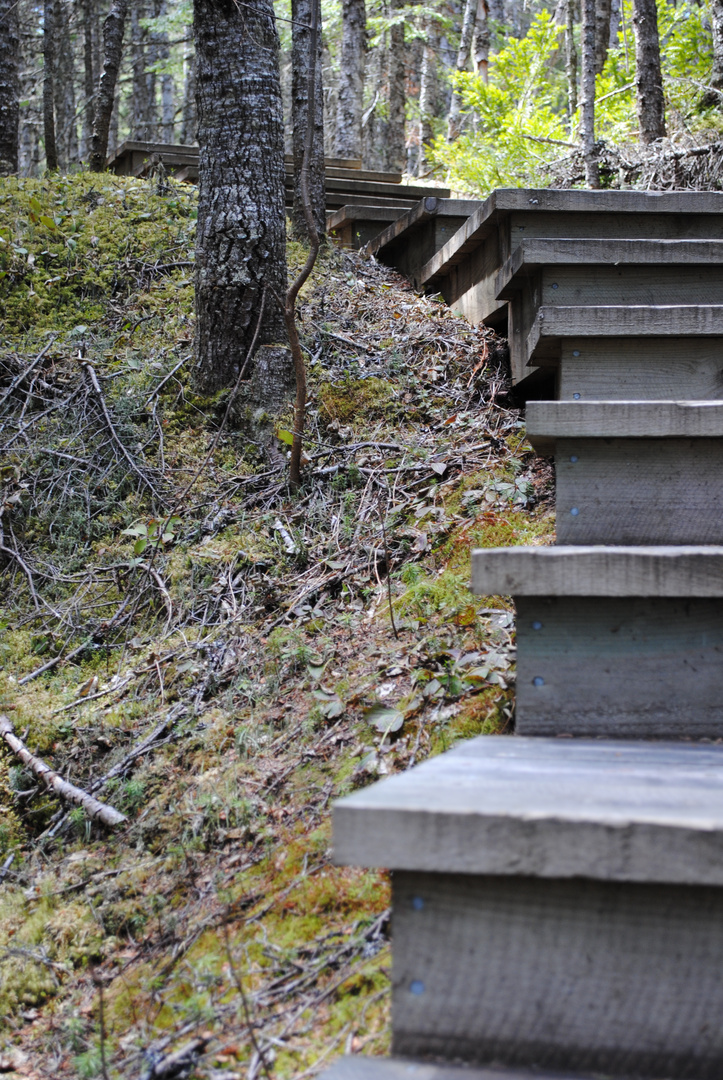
(558,902)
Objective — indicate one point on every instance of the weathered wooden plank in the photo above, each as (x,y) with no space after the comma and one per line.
(640,368)
(358,1067)
(636,668)
(546,807)
(608,978)
(190,152)
(398,234)
(355,224)
(548,421)
(534,253)
(555,322)
(599,571)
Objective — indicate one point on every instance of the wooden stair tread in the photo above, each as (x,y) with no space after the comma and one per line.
(548,421)
(545,807)
(425,209)
(357,1067)
(353,212)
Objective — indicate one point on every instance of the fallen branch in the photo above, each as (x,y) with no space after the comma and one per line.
(24,374)
(96,810)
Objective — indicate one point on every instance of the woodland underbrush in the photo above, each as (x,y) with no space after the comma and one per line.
(218,659)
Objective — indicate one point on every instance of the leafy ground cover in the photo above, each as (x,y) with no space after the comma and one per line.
(215,658)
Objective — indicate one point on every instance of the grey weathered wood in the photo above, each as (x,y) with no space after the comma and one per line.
(639,491)
(599,571)
(358,1067)
(548,421)
(620,667)
(534,253)
(542,807)
(620,320)
(354,225)
(640,368)
(613,979)
(412,239)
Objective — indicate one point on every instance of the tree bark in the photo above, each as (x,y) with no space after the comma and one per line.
(64,89)
(648,79)
(481,41)
(303,13)
(241,231)
(350,106)
(587,124)
(396,143)
(463,54)
(112,49)
(427,95)
(603,15)
(188,110)
(711,97)
(9,87)
(51,152)
(571,60)
(89,31)
(143,81)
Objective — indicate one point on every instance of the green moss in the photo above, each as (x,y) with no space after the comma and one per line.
(355,399)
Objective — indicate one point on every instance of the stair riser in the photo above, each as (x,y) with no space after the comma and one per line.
(631,668)
(639,491)
(613,978)
(640,369)
(412,252)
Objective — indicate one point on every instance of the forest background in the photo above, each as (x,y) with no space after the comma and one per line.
(483,94)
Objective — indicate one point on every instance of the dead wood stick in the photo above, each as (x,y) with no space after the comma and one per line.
(51,663)
(24,374)
(114,434)
(95,809)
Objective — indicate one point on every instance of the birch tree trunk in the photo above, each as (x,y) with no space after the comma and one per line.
(241,231)
(112,50)
(303,12)
(587,124)
(571,60)
(716,76)
(648,79)
(427,95)
(350,104)
(9,87)
(463,54)
(51,152)
(481,41)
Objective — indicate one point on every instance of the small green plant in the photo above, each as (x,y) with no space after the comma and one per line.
(158,532)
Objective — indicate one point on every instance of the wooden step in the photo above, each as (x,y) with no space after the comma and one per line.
(353,225)
(637,368)
(557,904)
(356,1067)
(415,236)
(622,642)
(647,472)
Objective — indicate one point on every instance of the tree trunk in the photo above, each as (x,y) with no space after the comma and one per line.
(88,78)
(427,96)
(396,143)
(496,10)
(463,54)
(481,42)
(188,111)
(241,233)
(51,151)
(112,50)
(302,12)
(9,87)
(587,125)
(64,89)
(350,106)
(716,76)
(648,80)
(571,60)
(143,86)
(603,14)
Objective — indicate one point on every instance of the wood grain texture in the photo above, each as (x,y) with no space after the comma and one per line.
(572,570)
(358,1067)
(640,368)
(639,491)
(548,421)
(606,978)
(621,320)
(546,807)
(620,667)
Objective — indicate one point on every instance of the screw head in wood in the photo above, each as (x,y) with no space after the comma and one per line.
(417,987)
(537,625)
(417,903)
(576,397)
(538,681)
(574,512)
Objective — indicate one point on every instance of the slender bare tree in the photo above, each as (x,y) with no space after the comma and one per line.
(587,123)
(9,87)
(51,152)
(463,54)
(714,95)
(650,99)
(303,13)
(571,60)
(113,27)
(350,102)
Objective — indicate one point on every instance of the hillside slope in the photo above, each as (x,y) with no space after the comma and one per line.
(222,683)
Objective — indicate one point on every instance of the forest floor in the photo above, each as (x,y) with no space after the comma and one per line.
(224,679)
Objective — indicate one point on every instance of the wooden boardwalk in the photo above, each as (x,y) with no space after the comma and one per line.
(558,902)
